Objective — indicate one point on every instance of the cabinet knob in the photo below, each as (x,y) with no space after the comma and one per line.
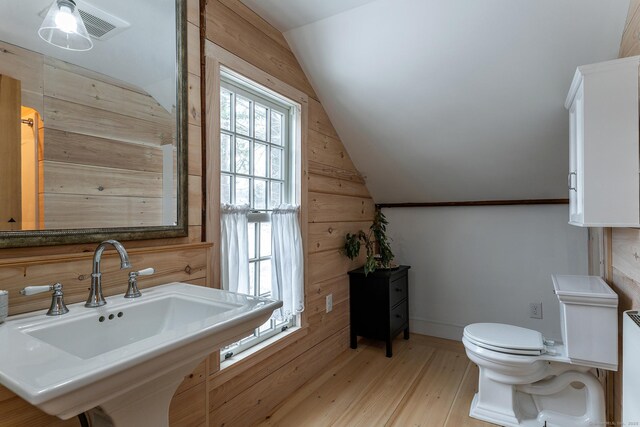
(398,289)
(399,316)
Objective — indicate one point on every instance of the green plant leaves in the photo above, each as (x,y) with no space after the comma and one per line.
(377,233)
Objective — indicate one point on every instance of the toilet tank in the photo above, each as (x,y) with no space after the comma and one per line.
(589,320)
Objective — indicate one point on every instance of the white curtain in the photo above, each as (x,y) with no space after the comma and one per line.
(234,248)
(287,262)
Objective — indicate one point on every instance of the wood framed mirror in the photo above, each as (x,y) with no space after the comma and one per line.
(93,144)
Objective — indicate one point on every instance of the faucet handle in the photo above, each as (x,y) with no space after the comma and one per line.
(58,306)
(145,272)
(132,289)
(33,290)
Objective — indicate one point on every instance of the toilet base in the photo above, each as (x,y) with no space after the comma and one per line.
(554,403)
(495,417)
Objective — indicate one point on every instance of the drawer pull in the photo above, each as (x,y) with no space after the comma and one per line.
(399,316)
(398,289)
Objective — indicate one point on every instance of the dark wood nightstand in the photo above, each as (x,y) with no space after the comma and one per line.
(379,304)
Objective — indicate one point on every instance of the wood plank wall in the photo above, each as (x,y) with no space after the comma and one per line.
(185,259)
(622,245)
(113,123)
(337,202)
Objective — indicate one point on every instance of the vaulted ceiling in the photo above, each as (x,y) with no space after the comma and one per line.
(450,100)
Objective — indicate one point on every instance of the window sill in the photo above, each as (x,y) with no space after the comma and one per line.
(263,347)
(255,355)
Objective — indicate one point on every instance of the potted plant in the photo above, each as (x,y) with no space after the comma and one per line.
(377,234)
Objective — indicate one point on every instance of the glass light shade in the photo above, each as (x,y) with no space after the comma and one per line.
(63,27)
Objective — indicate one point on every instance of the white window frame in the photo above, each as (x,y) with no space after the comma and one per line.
(253,91)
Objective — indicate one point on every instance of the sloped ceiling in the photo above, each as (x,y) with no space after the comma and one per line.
(451,100)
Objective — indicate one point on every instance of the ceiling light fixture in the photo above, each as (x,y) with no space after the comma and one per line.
(63,27)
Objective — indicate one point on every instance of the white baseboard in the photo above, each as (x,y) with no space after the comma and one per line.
(436,328)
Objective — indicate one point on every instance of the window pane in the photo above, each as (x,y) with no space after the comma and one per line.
(265,277)
(265,326)
(225,189)
(254,162)
(265,239)
(276,127)
(276,194)
(252,278)
(252,239)
(260,122)
(243,115)
(259,194)
(242,155)
(276,163)
(260,159)
(225,109)
(242,191)
(225,152)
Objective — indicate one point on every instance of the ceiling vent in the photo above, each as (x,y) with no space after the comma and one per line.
(100,24)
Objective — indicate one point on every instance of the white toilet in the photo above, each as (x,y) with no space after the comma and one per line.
(526,380)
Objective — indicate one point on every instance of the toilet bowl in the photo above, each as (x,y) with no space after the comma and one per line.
(527,380)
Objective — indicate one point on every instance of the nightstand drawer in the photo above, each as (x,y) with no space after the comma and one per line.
(399,317)
(397,291)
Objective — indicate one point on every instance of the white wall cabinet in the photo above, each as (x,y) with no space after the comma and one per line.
(604,165)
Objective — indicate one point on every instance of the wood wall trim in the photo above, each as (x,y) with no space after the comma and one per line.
(56,259)
(475,203)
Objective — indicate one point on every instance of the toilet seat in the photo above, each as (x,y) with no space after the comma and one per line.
(506,338)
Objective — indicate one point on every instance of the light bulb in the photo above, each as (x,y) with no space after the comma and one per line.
(65,20)
(63,27)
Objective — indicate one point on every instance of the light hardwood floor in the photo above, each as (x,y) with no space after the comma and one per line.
(429,382)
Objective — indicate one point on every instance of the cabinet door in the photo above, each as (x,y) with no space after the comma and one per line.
(576,170)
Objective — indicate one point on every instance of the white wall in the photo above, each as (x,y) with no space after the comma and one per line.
(485,264)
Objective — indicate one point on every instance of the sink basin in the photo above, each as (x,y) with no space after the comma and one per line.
(141,321)
(127,357)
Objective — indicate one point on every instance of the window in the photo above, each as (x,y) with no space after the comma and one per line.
(256,158)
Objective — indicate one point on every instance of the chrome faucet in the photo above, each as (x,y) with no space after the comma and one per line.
(58,307)
(96,299)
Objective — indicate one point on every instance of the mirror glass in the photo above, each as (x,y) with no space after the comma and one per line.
(91,140)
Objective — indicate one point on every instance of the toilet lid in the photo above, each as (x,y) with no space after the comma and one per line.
(505,338)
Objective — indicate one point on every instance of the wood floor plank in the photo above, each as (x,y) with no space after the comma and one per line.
(439,343)
(428,382)
(380,399)
(428,404)
(459,413)
(284,410)
(346,385)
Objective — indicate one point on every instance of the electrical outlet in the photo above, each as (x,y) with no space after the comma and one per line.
(329,301)
(535,310)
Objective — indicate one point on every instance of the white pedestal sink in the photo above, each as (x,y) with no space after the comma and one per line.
(127,357)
